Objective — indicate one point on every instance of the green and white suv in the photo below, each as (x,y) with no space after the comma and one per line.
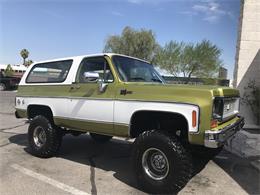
(115,95)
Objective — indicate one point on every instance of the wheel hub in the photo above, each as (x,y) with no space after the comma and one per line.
(155,164)
(39,136)
(158,161)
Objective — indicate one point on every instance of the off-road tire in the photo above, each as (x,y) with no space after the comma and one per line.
(2,87)
(180,162)
(100,138)
(53,137)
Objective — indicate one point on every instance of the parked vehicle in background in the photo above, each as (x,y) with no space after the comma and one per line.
(115,95)
(8,82)
(18,69)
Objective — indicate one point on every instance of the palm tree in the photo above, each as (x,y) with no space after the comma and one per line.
(24,54)
(28,62)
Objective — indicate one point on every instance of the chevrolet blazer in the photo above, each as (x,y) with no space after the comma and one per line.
(109,95)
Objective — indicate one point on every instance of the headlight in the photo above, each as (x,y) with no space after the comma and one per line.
(218,108)
(225,108)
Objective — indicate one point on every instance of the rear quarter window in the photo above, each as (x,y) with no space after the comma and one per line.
(50,72)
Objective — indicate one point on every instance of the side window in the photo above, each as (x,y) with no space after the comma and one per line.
(94,69)
(51,72)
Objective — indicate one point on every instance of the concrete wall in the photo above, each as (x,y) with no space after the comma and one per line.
(247,67)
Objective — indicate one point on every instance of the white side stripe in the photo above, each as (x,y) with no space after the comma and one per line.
(112,111)
(48,180)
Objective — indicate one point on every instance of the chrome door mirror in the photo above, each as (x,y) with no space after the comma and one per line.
(91,77)
(102,86)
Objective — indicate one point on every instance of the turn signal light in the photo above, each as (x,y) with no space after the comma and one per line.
(194,118)
(213,123)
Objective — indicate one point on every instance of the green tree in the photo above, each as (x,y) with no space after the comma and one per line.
(141,44)
(189,59)
(168,57)
(205,61)
(24,54)
(8,71)
(28,62)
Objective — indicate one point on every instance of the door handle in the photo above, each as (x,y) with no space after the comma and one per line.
(74,87)
(125,92)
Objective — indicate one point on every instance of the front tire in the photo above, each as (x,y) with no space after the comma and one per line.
(162,165)
(44,139)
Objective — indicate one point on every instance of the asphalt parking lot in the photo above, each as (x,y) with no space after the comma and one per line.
(85,167)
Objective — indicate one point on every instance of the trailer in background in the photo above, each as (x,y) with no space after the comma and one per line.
(11,82)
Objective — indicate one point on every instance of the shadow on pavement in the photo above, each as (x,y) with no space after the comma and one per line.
(19,139)
(240,170)
(115,156)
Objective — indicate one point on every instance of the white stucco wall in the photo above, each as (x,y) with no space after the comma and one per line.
(247,65)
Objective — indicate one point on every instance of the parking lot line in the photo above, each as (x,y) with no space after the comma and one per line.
(48,180)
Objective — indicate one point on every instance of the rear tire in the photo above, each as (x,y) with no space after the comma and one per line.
(161,164)
(100,138)
(44,139)
(2,87)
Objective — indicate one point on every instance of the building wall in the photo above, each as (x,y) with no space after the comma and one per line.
(247,67)
(222,74)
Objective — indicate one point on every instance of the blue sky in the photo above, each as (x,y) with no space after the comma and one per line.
(52,29)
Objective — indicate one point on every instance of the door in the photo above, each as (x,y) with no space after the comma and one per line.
(92,97)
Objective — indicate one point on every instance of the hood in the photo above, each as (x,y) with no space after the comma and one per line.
(193,94)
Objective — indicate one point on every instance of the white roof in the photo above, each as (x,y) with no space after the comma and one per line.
(24,68)
(88,55)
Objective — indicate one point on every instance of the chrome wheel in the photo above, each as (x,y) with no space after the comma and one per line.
(39,136)
(155,164)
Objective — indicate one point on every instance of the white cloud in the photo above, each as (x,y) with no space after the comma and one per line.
(211,11)
(135,1)
(151,2)
(188,13)
(115,13)
(200,8)
(211,19)
(230,14)
(209,8)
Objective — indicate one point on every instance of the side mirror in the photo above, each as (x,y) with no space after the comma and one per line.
(94,78)
(91,76)
(102,86)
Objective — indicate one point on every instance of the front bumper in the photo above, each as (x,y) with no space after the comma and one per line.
(215,139)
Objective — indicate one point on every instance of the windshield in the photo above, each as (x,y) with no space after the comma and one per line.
(133,70)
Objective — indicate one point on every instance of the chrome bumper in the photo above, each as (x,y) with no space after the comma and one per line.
(215,139)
